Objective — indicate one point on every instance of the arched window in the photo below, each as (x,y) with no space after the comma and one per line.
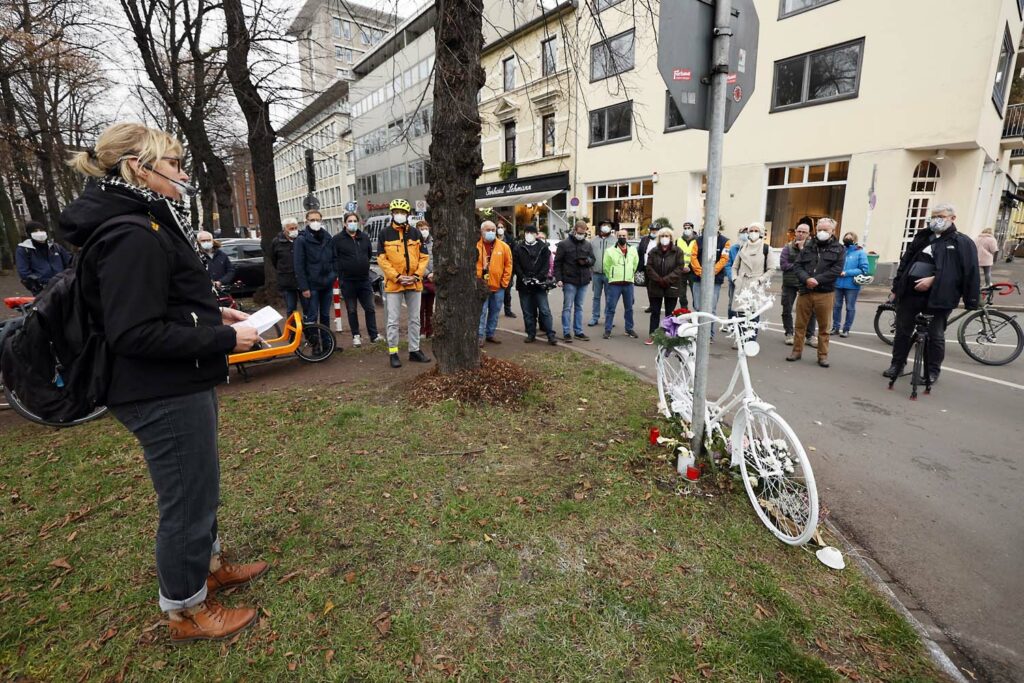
(923,188)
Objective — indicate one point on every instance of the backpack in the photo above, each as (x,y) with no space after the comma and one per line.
(55,361)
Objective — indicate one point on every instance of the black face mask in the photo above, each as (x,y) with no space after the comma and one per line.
(848,242)
(622,241)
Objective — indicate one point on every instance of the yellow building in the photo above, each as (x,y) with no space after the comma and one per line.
(528,113)
(911,93)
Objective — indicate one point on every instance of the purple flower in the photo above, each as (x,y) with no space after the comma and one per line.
(670,326)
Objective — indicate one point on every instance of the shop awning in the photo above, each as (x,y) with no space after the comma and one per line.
(516,199)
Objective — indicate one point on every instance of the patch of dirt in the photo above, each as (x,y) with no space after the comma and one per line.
(496,382)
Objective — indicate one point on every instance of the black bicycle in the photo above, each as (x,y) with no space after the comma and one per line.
(919,374)
(987,334)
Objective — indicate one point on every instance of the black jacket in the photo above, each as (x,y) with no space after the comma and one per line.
(574,262)
(956,269)
(220,268)
(641,249)
(282,258)
(352,255)
(314,260)
(149,293)
(666,264)
(821,260)
(530,261)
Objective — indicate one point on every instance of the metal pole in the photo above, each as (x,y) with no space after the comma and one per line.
(719,76)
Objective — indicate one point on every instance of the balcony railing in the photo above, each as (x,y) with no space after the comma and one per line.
(1013,124)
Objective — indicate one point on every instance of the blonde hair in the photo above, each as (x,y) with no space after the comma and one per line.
(665,232)
(986,231)
(122,140)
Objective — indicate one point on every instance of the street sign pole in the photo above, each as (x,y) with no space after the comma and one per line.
(719,77)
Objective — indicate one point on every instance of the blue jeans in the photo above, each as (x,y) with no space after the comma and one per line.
(600,283)
(614,292)
(178,436)
(318,307)
(849,297)
(573,300)
(291,300)
(536,309)
(714,300)
(489,314)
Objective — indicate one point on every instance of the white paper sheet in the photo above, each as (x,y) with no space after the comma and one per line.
(264,319)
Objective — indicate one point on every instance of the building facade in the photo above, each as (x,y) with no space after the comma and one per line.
(324,127)
(528,115)
(332,36)
(839,113)
(243,190)
(391,116)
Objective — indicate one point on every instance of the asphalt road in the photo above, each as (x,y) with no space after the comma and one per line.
(931,489)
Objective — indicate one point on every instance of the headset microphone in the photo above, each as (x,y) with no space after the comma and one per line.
(190,190)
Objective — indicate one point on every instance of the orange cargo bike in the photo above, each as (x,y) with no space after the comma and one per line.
(312,343)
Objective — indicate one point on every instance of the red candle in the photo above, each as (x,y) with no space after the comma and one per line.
(654,435)
(692,473)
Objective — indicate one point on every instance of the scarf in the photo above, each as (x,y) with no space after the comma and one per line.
(752,259)
(176,208)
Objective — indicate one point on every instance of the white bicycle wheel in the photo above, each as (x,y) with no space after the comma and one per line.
(778,476)
(675,383)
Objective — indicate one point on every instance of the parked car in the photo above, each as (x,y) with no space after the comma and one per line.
(247,256)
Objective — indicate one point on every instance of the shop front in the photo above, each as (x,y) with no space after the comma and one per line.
(539,200)
(812,190)
(628,204)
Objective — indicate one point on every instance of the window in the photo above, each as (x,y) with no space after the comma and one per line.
(549,56)
(999,89)
(343,74)
(417,174)
(508,73)
(343,54)
(612,56)
(923,186)
(510,142)
(822,76)
(1020,8)
(673,119)
(346,29)
(336,26)
(611,124)
(788,8)
(601,5)
(364,36)
(547,127)
(398,177)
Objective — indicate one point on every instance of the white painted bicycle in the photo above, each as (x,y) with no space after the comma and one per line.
(775,469)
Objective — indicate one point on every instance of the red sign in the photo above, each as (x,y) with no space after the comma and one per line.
(681,74)
(737,93)
(731,79)
(370,206)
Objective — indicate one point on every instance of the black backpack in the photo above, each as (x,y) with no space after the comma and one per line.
(55,361)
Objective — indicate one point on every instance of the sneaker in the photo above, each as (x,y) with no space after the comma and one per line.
(396,362)
(632,334)
(812,342)
(530,339)
(606,335)
(592,323)
(378,339)
(356,341)
(834,330)
(844,333)
(209,620)
(647,310)
(480,342)
(567,338)
(789,340)
(418,356)
(493,340)
(582,337)
(649,341)
(510,314)
(552,341)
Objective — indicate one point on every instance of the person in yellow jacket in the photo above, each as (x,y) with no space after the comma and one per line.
(687,244)
(620,264)
(403,259)
(721,258)
(494,267)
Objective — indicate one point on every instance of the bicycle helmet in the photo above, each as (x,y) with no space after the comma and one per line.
(400,205)
(863,279)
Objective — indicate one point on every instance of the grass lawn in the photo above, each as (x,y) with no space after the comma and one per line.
(548,543)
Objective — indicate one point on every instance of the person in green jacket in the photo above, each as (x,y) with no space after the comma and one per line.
(620,264)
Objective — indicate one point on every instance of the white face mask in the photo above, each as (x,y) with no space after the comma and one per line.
(665,241)
(401,218)
(743,237)
(39,236)
(425,232)
(489,236)
(206,245)
(530,238)
(501,233)
(315,225)
(579,237)
(606,230)
(936,224)
(352,226)
(823,235)
(688,233)
(753,236)
(293,233)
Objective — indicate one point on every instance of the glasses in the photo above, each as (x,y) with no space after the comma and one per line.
(175,162)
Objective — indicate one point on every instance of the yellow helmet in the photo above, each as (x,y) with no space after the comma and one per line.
(400,205)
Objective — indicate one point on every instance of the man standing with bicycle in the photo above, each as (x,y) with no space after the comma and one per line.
(938,269)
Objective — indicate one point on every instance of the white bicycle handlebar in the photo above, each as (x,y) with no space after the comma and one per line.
(711,317)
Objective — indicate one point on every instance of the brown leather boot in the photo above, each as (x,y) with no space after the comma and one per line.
(233,574)
(209,621)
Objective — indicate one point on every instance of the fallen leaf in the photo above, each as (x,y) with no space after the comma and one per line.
(487,539)
(61,563)
(579,495)
(387,495)
(350,577)
(382,622)
(761,611)
(72,536)
(287,577)
(292,665)
(328,607)
(415,569)
(329,656)
(111,632)
(159,665)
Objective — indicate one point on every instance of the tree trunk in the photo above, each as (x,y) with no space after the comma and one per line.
(261,138)
(19,157)
(8,228)
(455,164)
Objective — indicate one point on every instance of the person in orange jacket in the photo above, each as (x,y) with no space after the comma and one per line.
(721,258)
(402,258)
(494,267)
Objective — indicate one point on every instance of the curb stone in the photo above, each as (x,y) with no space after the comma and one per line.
(934,640)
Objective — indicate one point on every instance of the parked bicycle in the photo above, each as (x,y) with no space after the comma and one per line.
(311,342)
(987,334)
(8,398)
(776,472)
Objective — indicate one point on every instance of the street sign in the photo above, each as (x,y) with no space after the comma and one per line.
(574,202)
(351,206)
(421,206)
(311,203)
(685,31)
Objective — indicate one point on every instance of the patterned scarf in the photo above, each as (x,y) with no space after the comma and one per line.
(177,209)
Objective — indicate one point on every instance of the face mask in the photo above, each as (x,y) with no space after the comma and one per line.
(665,241)
(605,229)
(621,241)
(530,238)
(937,224)
(848,242)
(206,245)
(688,233)
(401,218)
(352,227)
(293,234)
(501,233)
(743,237)
(425,233)
(315,225)
(39,236)
(753,236)
(489,236)
(823,235)
(578,237)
